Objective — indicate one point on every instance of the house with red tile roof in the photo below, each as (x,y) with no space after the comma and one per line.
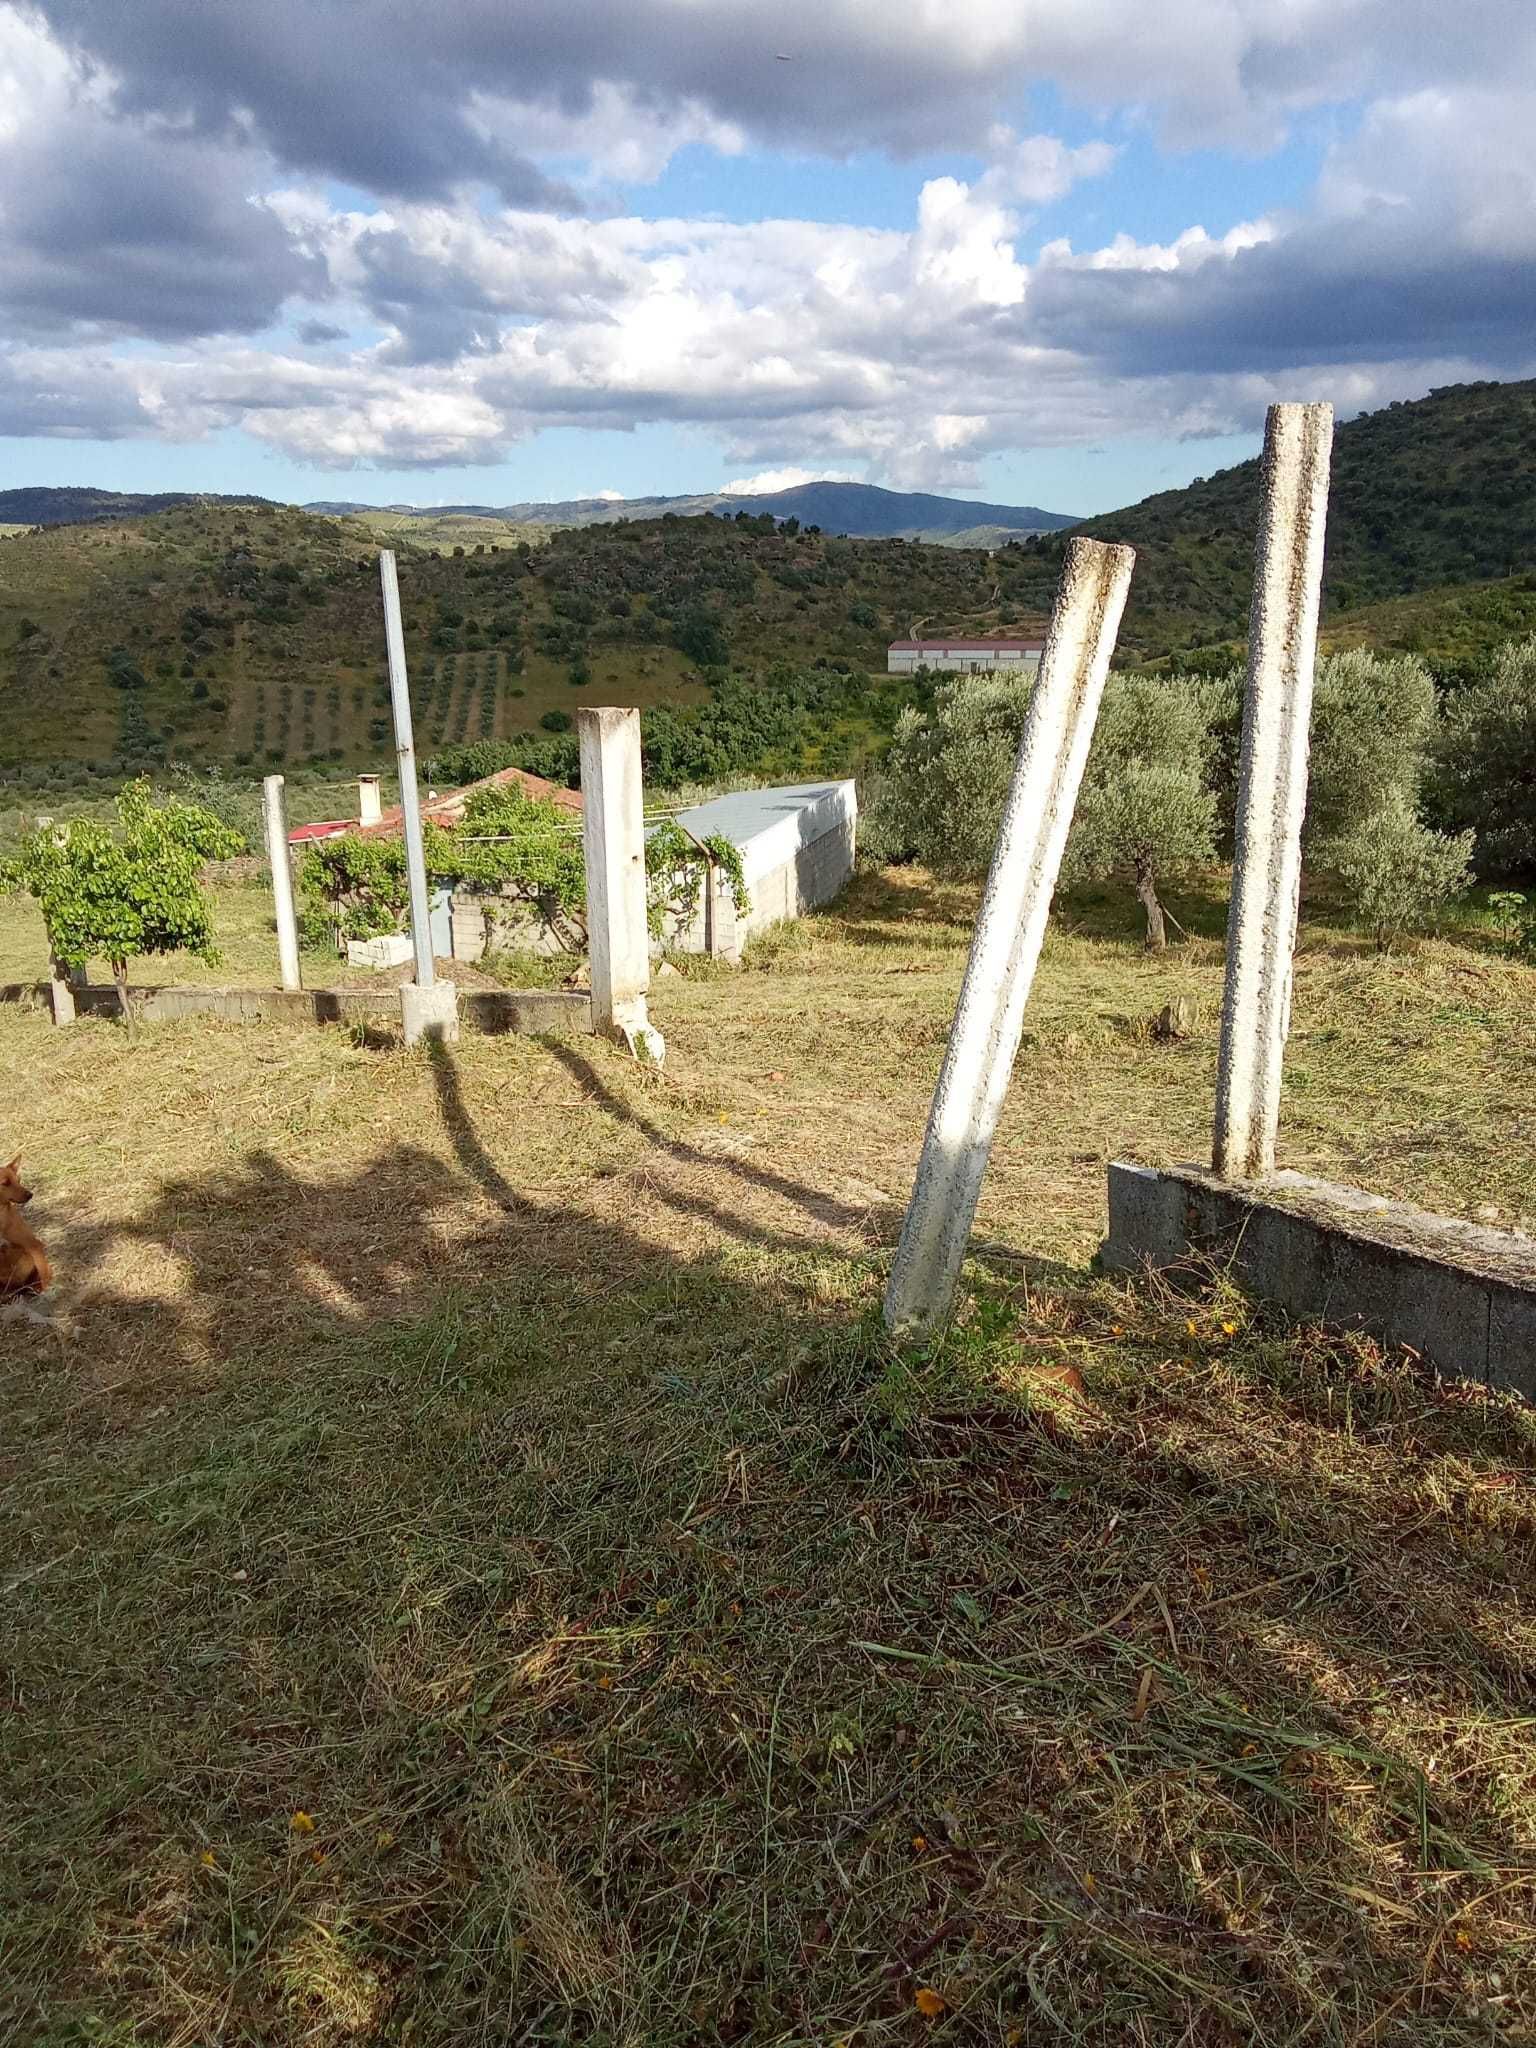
(447,809)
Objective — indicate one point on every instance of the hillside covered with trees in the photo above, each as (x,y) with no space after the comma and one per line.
(248,636)
(1441,491)
(251,636)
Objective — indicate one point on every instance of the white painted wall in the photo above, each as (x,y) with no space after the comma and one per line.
(907,661)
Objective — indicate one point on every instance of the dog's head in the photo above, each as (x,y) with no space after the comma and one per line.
(11,1189)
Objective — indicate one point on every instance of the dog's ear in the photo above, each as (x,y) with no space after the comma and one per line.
(11,1168)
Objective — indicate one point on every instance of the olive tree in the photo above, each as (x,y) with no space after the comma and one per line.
(1484,775)
(1375,722)
(1399,873)
(1144,811)
(119,895)
(1373,716)
(939,795)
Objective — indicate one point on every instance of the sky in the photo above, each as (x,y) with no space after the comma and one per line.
(1057,254)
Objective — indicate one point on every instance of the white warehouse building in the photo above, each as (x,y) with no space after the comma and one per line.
(971,657)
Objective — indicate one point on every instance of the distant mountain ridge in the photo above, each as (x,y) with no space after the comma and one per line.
(865,511)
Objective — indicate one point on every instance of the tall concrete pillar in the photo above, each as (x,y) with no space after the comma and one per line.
(429,1008)
(613,845)
(1010,928)
(278,861)
(1272,789)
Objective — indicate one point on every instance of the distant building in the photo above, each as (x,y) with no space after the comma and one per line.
(971,657)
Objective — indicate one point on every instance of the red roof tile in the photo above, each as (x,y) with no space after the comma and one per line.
(447,809)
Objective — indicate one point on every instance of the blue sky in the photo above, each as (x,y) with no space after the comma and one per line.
(476,254)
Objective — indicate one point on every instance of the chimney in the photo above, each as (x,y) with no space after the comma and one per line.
(368,810)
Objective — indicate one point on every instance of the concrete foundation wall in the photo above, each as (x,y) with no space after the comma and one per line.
(1462,1296)
(487,1010)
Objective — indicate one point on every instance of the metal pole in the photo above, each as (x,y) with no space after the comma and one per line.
(405,750)
(1272,789)
(282,881)
(1010,928)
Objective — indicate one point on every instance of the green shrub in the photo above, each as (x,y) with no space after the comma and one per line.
(1398,873)
(1373,717)
(1145,808)
(1484,775)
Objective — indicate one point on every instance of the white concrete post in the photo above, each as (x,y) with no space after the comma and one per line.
(613,848)
(61,992)
(1272,789)
(1010,928)
(282,881)
(427,1009)
(61,987)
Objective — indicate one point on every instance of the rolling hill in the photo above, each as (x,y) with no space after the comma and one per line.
(249,635)
(1440,491)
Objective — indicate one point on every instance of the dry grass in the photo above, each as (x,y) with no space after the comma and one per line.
(493,1461)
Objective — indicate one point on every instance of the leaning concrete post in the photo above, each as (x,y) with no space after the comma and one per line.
(428,1008)
(1272,789)
(613,846)
(1010,928)
(282,881)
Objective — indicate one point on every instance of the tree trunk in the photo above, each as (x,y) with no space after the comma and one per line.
(1146,895)
(120,979)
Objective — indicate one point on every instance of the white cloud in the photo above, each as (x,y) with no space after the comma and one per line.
(787,479)
(168,180)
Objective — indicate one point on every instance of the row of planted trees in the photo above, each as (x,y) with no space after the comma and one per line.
(1410,793)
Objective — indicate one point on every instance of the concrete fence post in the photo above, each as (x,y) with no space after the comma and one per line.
(613,847)
(61,992)
(61,986)
(282,880)
(428,1008)
(1272,789)
(1010,928)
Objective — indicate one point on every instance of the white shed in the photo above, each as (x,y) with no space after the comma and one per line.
(796,846)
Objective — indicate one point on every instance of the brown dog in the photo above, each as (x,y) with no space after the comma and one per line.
(24,1267)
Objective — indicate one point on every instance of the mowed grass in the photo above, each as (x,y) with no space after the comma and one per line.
(472,1572)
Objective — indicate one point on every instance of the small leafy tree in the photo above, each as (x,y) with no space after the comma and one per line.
(1373,716)
(117,896)
(1484,774)
(508,843)
(940,793)
(1398,872)
(1145,811)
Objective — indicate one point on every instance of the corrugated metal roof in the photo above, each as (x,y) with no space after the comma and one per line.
(767,824)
